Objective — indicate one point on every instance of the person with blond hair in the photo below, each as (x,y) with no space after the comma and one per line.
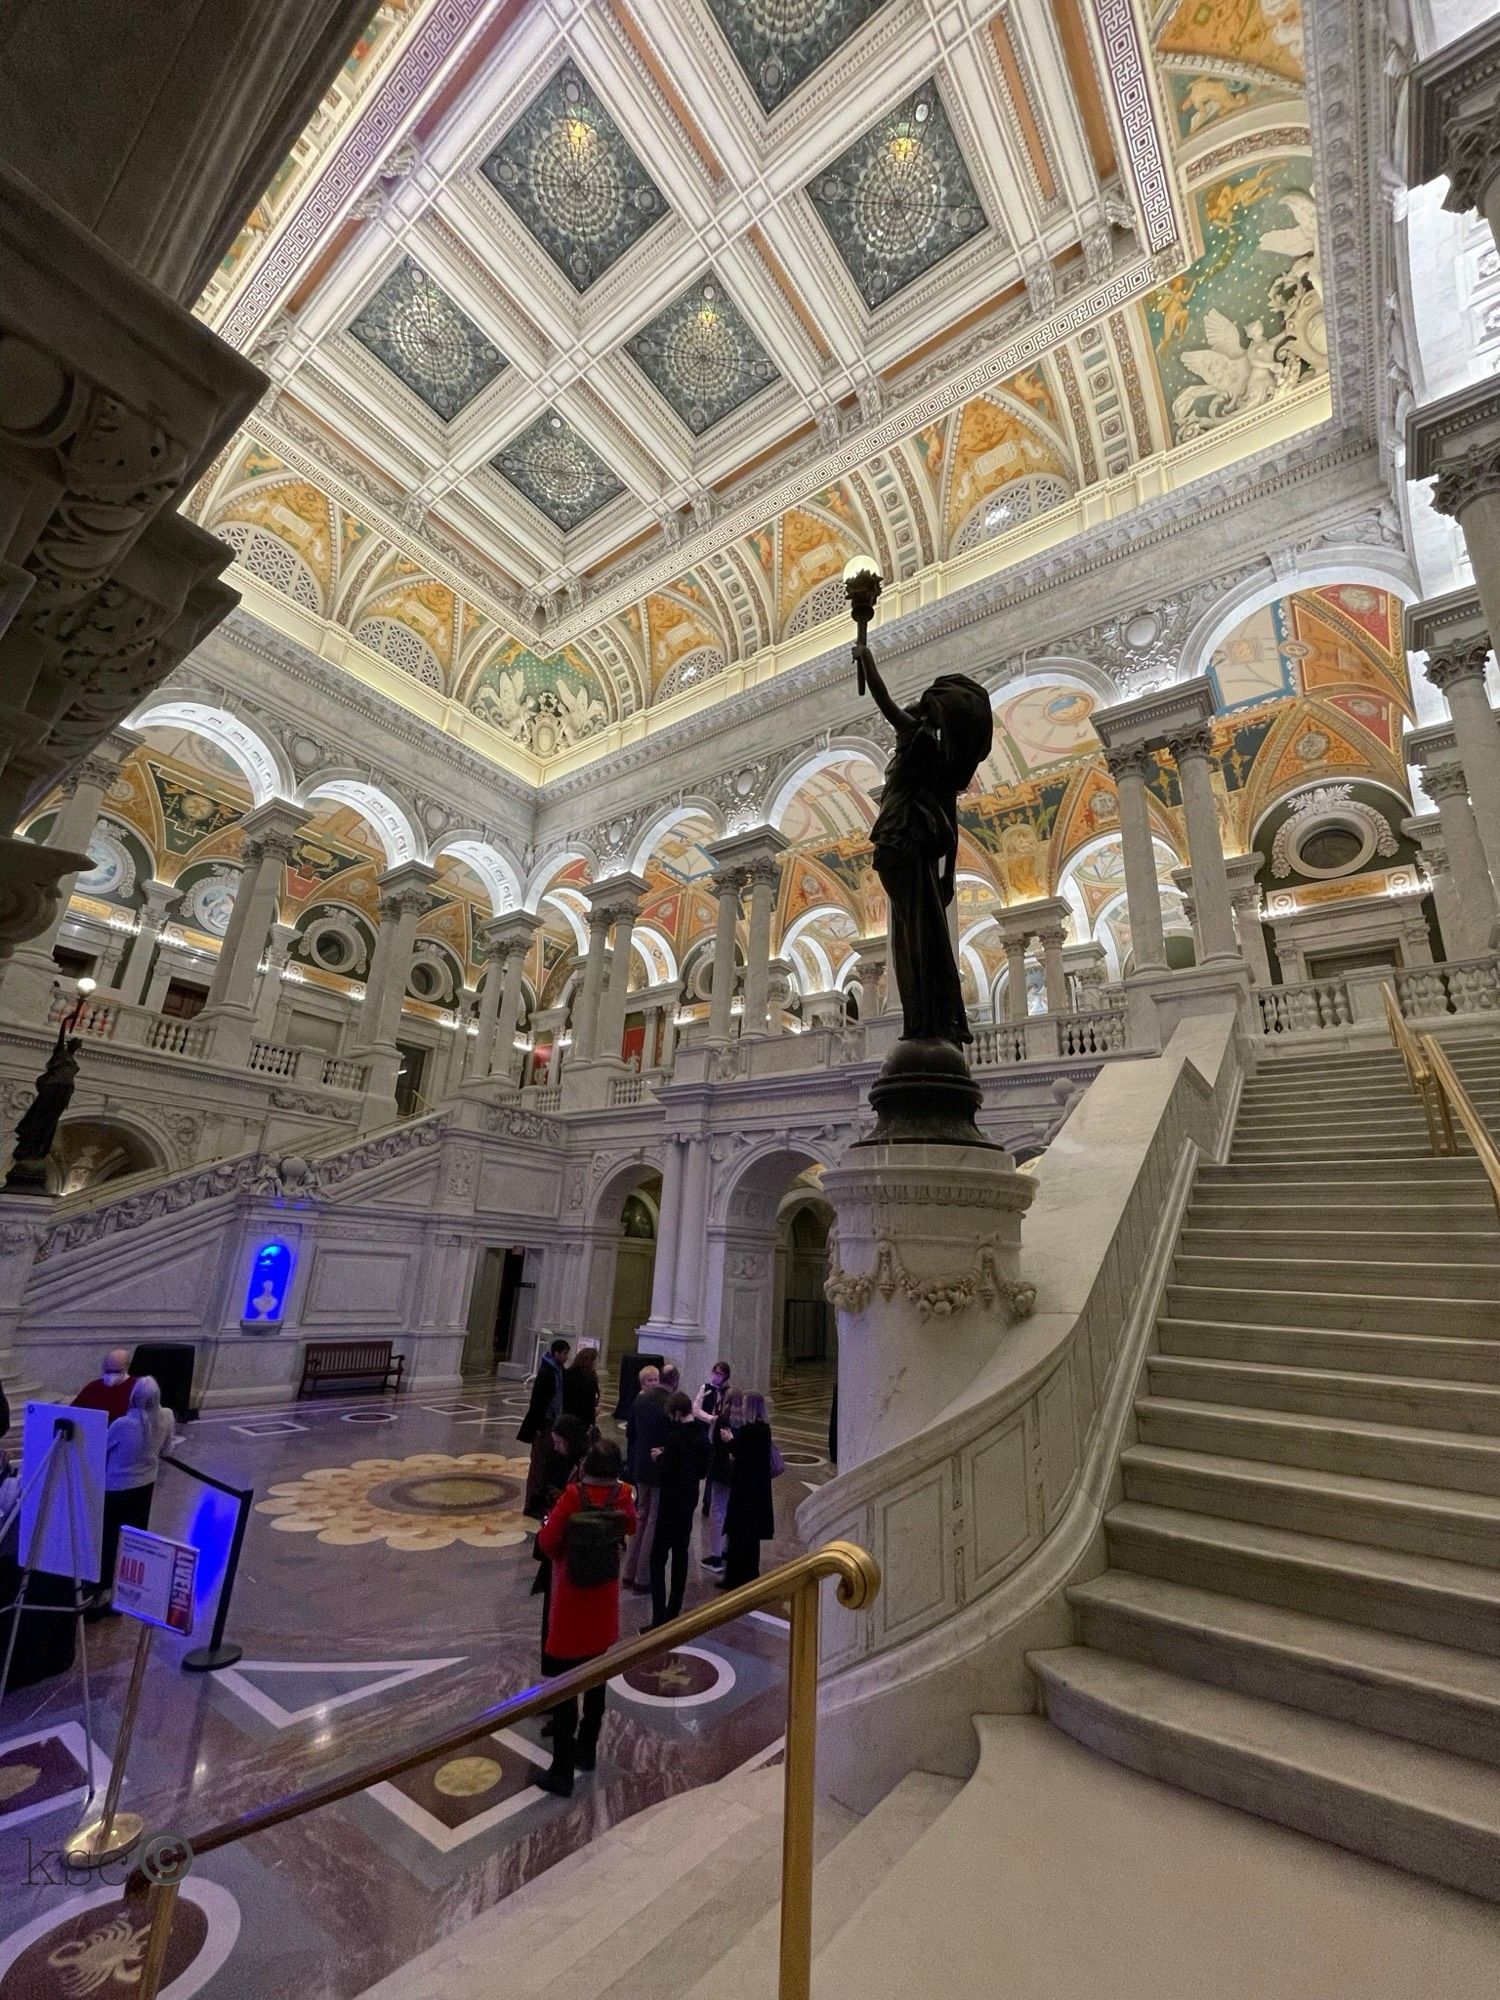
(133,1447)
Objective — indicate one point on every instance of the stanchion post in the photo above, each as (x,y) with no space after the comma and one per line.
(95,1839)
(800,1799)
(161,1907)
(207,1659)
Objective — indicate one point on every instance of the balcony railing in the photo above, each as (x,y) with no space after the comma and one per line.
(1050,1037)
(1457,989)
(104,1017)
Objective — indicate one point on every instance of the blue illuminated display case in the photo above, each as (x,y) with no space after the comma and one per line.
(270,1279)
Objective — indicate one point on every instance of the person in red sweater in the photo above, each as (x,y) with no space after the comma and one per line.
(110,1390)
(582,1537)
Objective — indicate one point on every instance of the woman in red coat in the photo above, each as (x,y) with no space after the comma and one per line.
(584,1620)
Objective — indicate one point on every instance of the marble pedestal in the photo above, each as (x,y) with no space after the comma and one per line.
(924,1273)
(1219,987)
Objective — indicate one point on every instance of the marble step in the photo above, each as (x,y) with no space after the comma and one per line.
(647,1910)
(1057,1875)
(1424,1810)
(1449,1603)
(1328,1144)
(1458,1247)
(1466,1216)
(1383,1513)
(1413,1355)
(1442,1696)
(1387,1278)
(1355,1312)
(1366,1123)
(1459,1462)
(1471,1409)
(1419,1173)
(869,1855)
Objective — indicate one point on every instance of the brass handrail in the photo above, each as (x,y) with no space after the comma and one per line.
(1420,1075)
(1454,1094)
(796,1583)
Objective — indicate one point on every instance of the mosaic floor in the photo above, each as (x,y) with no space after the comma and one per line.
(385,1582)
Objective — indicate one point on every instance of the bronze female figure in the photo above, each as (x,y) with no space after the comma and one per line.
(940,744)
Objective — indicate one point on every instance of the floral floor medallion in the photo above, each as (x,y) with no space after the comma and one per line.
(427,1501)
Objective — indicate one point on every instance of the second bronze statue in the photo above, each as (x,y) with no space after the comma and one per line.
(940,744)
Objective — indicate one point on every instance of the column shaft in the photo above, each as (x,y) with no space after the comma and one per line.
(1016,996)
(586,1014)
(669,1226)
(610,1036)
(503,1053)
(481,1049)
(764,878)
(404,901)
(1252,936)
(1460,675)
(721,1002)
(1193,751)
(692,1239)
(1473,888)
(1142,893)
(1053,970)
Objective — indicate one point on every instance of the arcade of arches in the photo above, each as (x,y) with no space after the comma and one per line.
(439,915)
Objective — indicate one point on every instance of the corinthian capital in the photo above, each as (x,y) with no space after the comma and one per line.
(1445,781)
(1461,660)
(1468,478)
(1471,155)
(1132,761)
(1188,743)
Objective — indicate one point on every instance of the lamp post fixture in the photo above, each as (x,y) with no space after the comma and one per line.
(862,588)
(54,1092)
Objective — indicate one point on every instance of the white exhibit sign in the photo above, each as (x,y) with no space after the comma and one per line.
(154,1579)
(62,1483)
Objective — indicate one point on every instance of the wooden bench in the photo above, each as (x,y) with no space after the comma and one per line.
(346,1361)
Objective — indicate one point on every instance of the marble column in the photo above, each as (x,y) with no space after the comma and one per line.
(515,934)
(1128,766)
(620,898)
(668,1232)
(764,877)
(405,898)
(875,982)
(1087,966)
(1192,751)
(26,977)
(480,1052)
(586,1012)
(1456,443)
(1456,640)
(1244,896)
(279,942)
(668,1054)
(1052,939)
(727,883)
(270,838)
(1016,997)
(1473,889)
(1427,832)
(132,986)
(692,1238)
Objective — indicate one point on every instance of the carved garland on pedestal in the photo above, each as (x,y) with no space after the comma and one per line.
(934,1298)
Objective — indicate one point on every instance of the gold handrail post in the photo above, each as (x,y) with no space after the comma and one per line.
(800,1796)
(161,1907)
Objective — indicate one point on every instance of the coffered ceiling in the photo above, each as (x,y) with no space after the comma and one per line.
(602,331)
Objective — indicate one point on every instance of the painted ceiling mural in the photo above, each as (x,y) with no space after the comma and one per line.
(586,346)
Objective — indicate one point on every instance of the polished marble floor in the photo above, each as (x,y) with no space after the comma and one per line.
(385,1584)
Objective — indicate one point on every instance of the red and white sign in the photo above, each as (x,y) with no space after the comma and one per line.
(154,1579)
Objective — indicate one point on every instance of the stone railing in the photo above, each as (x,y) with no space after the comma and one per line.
(1050,1037)
(106,1018)
(981,1521)
(1460,986)
(1302,1009)
(273,1059)
(628,1090)
(544,1096)
(1456,989)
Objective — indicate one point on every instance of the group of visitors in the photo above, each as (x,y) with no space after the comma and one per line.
(611,1520)
(140,1429)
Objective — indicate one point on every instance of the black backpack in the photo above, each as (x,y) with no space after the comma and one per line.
(593,1541)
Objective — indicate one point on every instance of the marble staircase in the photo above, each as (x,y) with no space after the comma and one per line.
(1301,1617)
